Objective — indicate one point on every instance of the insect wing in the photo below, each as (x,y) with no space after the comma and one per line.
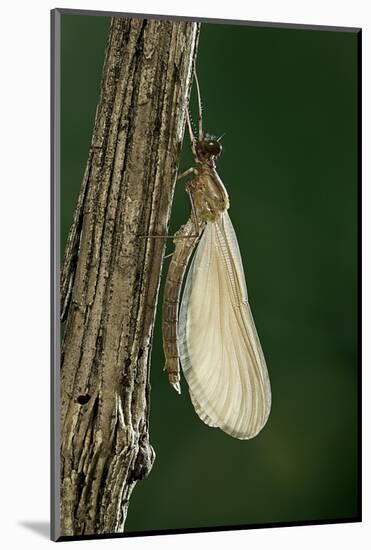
(220,352)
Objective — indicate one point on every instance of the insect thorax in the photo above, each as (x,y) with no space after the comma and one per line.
(209,194)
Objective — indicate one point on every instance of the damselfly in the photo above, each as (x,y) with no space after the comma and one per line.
(213,336)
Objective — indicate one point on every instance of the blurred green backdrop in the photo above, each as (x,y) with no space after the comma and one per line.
(287,101)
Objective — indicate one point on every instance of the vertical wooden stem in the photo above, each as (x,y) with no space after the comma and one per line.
(110,276)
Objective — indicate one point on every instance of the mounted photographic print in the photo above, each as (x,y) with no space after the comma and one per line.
(205,312)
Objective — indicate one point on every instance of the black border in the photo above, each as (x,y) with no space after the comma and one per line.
(55,268)
(54,276)
(68,11)
(208,529)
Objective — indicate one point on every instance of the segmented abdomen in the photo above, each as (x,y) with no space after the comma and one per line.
(179,260)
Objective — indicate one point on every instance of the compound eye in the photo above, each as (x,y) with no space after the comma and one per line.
(214,147)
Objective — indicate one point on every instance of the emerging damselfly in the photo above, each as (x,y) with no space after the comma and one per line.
(213,336)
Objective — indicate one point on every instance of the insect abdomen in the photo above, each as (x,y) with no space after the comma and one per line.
(173,284)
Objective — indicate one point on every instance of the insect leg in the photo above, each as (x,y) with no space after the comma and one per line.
(196,222)
(194,213)
(190,170)
(167,236)
(172,236)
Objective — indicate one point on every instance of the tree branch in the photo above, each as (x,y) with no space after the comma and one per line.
(110,277)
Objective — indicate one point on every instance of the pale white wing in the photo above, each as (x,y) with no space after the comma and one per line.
(219,348)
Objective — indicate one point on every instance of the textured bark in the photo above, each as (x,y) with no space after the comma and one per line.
(110,276)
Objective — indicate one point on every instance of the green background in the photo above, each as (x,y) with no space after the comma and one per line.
(287,102)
